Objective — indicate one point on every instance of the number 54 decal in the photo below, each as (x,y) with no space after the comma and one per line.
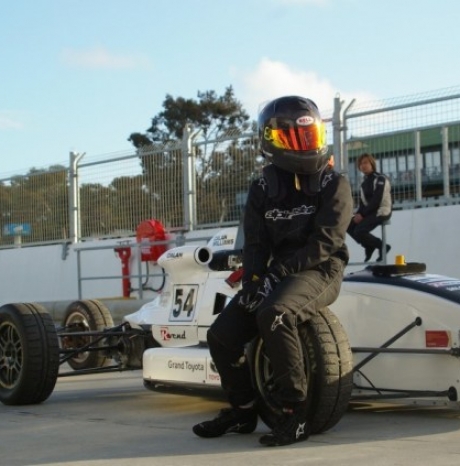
(184,303)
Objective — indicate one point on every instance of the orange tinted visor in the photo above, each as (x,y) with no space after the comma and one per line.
(299,138)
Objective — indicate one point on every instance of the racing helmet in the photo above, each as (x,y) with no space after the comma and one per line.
(292,135)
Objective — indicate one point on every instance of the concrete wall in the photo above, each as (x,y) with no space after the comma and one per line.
(428,235)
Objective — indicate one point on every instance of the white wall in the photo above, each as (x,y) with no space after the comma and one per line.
(428,235)
(41,274)
(38,274)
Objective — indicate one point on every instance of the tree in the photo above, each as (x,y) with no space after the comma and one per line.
(210,113)
(220,152)
(39,199)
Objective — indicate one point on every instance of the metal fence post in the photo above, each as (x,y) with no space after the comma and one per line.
(337,135)
(418,166)
(344,129)
(445,160)
(74,197)
(189,174)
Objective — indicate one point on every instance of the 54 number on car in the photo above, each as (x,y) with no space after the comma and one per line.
(184,303)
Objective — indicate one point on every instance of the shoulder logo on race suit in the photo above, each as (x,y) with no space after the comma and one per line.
(327,178)
(263,183)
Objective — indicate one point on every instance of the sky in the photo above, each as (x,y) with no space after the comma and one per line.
(82,75)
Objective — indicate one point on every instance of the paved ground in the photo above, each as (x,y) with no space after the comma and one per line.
(112,419)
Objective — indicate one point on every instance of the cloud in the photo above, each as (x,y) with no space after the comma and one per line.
(101,58)
(9,122)
(272,79)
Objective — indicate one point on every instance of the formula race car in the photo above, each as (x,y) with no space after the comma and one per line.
(393,333)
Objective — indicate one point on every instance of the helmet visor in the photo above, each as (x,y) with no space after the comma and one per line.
(299,138)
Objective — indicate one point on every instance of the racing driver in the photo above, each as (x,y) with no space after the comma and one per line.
(294,254)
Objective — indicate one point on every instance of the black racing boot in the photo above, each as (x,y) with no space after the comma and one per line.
(368,253)
(388,247)
(236,420)
(292,427)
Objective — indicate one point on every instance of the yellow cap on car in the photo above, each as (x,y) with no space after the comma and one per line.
(400,260)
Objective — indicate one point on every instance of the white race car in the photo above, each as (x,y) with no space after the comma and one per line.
(393,333)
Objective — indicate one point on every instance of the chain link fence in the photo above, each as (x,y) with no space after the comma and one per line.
(35,207)
(201,183)
(415,141)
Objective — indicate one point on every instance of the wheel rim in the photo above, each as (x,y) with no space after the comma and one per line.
(264,378)
(264,374)
(78,323)
(11,355)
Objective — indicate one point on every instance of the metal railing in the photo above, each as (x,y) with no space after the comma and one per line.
(201,183)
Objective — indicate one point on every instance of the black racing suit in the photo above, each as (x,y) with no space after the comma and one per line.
(375,207)
(304,233)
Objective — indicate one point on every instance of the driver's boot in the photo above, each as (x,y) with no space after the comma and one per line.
(291,427)
(229,420)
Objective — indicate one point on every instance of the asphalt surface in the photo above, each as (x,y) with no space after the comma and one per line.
(111,419)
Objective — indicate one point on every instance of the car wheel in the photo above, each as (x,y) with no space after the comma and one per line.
(29,354)
(85,316)
(328,366)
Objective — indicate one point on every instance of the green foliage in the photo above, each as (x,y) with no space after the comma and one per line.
(224,161)
(39,199)
(210,113)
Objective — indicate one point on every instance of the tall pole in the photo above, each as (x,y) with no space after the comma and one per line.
(337,134)
(74,198)
(189,179)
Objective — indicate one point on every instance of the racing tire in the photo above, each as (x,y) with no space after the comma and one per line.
(81,316)
(328,362)
(29,354)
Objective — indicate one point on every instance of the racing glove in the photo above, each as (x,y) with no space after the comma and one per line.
(255,291)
